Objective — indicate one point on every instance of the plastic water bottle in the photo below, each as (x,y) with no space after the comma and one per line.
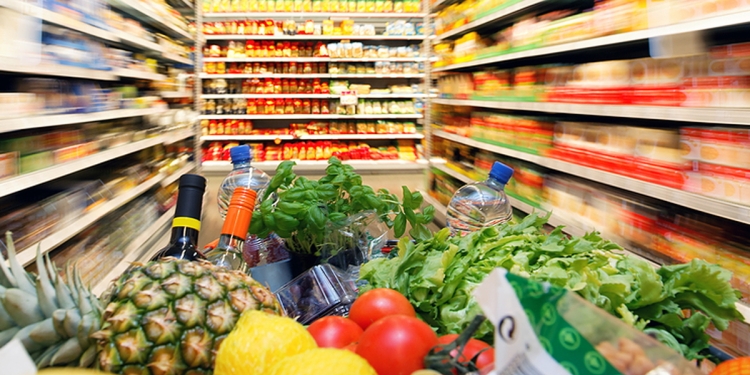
(481,204)
(242,175)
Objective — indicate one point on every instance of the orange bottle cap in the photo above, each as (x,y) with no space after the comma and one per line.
(240,212)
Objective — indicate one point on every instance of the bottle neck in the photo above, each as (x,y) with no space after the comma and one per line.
(230,242)
(241,164)
(495,184)
(185,235)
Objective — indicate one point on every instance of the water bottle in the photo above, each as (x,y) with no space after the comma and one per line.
(242,175)
(481,204)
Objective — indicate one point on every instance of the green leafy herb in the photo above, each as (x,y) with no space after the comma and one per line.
(439,274)
(308,213)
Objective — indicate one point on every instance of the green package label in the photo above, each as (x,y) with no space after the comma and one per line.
(531,336)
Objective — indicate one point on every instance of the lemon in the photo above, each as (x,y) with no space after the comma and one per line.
(258,341)
(323,361)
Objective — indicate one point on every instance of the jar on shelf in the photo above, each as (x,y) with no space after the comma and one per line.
(288,107)
(306,106)
(252,108)
(307,68)
(277,86)
(292,68)
(315,107)
(285,68)
(284,86)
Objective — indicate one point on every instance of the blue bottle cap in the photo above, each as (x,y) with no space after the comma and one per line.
(501,172)
(240,153)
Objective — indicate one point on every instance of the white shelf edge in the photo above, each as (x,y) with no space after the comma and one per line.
(132,251)
(312,59)
(135,41)
(176,58)
(320,75)
(305,117)
(58,19)
(455,174)
(515,8)
(702,203)
(320,165)
(137,74)
(175,94)
(311,96)
(209,138)
(731,19)
(314,37)
(23,123)
(726,116)
(56,70)
(27,180)
(52,241)
(265,15)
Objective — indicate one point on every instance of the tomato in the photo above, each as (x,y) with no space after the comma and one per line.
(735,366)
(334,332)
(471,349)
(378,303)
(396,344)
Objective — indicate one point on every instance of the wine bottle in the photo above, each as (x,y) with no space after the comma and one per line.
(186,224)
(228,253)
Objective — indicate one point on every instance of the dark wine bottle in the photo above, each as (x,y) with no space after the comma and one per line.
(186,224)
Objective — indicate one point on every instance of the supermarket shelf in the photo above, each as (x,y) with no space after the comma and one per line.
(307,15)
(137,74)
(694,201)
(360,136)
(732,19)
(286,137)
(187,168)
(56,70)
(24,123)
(176,94)
(49,243)
(497,16)
(132,251)
(176,58)
(243,75)
(726,116)
(142,12)
(314,37)
(135,41)
(383,166)
(27,180)
(321,75)
(306,117)
(311,59)
(58,19)
(283,137)
(453,173)
(310,96)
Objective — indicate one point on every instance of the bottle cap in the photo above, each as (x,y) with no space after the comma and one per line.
(240,153)
(193,180)
(190,196)
(240,212)
(501,172)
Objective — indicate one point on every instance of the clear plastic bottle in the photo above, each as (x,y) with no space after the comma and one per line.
(242,175)
(481,204)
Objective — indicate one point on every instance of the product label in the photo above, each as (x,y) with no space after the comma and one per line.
(348,97)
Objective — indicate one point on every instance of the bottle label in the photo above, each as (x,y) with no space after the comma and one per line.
(187,222)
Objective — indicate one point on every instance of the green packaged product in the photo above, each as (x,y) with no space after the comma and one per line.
(544,329)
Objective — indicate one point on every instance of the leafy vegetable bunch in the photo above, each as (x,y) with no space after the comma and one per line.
(309,214)
(439,275)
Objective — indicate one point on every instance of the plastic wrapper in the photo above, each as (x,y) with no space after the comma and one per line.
(321,291)
(549,330)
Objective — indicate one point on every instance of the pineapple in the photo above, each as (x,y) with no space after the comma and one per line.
(53,319)
(169,316)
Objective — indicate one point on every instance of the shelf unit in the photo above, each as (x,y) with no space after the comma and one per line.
(315,37)
(309,96)
(317,75)
(309,117)
(52,241)
(310,15)
(308,137)
(167,135)
(593,49)
(724,116)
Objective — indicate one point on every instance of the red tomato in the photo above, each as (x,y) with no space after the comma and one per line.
(396,345)
(378,303)
(334,332)
(473,347)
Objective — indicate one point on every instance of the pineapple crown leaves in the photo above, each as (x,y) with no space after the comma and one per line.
(51,316)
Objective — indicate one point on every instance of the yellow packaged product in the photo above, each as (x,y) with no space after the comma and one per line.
(388,6)
(398,6)
(325,6)
(379,6)
(347,27)
(334,6)
(307,5)
(317,6)
(370,6)
(361,6)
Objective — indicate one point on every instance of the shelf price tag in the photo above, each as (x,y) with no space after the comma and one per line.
(348,97)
